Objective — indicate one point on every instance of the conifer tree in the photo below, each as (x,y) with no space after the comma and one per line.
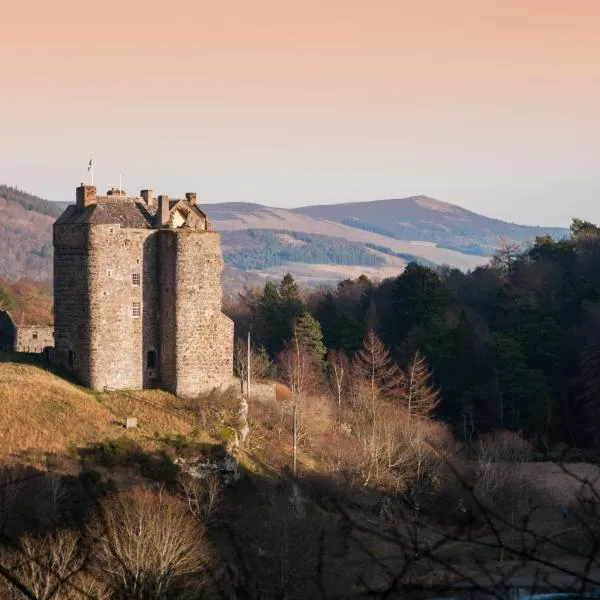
(417,394)
(308,331)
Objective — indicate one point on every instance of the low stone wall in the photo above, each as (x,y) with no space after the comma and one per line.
(262,391)
(31,338)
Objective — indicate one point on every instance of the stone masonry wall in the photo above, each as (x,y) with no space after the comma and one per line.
(123,292)
(201,334)
(33,338)
(71,307)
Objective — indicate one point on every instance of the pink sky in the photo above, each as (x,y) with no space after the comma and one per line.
(493,105)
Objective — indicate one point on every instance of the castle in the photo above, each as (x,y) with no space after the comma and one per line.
(137,294)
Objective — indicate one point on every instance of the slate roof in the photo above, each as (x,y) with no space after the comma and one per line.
(132,213)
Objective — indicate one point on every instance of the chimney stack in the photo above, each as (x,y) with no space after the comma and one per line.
(191,197)
(163,209)
(148,196)
(85,195)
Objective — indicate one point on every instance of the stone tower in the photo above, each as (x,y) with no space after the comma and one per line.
(137,294)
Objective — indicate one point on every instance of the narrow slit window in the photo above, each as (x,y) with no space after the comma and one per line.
(135,279)
(136,310)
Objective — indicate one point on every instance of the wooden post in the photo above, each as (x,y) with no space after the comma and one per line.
(248,370)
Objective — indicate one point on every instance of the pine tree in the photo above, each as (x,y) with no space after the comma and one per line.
(308,331)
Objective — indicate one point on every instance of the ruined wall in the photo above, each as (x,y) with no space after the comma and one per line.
(71,306)
(122,290)
(196,337)
(31,338)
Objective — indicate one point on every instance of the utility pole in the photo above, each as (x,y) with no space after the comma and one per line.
(248,370)
(295,436)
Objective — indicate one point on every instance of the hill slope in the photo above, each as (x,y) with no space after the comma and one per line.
(317,244)
(43,413)
(236,216)
(423,218)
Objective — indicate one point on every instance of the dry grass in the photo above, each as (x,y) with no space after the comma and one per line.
(42,413)
(155,410)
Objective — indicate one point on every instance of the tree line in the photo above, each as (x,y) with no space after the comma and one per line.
(513,345)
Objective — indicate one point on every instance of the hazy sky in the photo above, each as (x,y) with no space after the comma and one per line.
(490,104)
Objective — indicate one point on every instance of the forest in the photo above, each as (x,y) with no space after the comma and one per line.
(514,345)
(261,249)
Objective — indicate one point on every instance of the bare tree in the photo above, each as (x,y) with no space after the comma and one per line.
(338,370)
(260,364)
(49,567)
(373,364)
(299,367)
(201,495)
(150,544)
(506,255)
(417,394)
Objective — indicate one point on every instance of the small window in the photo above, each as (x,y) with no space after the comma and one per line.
(108,272)
(136,310)
(35,335)
(111,230)
(135,279)
(151,359)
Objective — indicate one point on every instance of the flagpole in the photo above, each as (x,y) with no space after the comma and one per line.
(91,169)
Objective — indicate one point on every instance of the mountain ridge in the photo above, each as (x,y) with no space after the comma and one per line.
(378,237)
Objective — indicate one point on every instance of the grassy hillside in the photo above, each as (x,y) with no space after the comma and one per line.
(43,413)
(423,218)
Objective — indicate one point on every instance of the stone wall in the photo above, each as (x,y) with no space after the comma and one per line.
(192,322)
(33,338)
(122,267)
(71,305)
(261,391)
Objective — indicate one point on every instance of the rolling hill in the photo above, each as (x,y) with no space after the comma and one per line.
(317,244)
(426,219)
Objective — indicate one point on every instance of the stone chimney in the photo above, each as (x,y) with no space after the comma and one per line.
(85,195)
(116,192)
(163,210)
(191,197)
(148,196)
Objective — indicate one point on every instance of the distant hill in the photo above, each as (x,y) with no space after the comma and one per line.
(30,202)
(25,235)
(317,244)
(426,219)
